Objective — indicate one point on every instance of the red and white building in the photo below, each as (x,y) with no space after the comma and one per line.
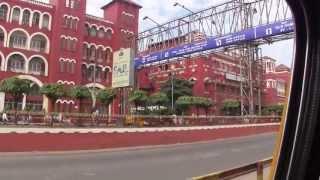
(276,82)
(57,42)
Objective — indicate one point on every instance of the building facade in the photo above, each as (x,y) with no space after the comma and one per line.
(57,42)
(276,82)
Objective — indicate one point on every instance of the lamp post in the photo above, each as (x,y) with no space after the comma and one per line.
(182,6)
(191,18)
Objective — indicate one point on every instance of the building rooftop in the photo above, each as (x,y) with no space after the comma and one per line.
(282,67)
(125,1)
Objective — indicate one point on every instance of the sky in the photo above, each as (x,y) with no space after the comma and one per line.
(163,11)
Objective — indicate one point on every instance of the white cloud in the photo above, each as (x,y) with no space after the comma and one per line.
(163,11)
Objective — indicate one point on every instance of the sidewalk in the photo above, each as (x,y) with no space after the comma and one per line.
(23,130)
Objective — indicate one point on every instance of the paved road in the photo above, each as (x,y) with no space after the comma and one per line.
(178,162)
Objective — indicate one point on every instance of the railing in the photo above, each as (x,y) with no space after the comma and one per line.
(39,3)
(104,120)
(239,171)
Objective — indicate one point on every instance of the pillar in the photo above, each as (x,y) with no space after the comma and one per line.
(2,101)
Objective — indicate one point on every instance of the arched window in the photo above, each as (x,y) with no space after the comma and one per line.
(62,63)
(26,17)
(93,32)
(3,12)
(90,73)
(1,38)
(16,63)
(18,39)
(86,29)
(109,34)
(36,66)
(63,42)
(84,71)
(98,74)
(45,21)
(100,54)
(92,53)
(74,24)
(16,15)
(108,55)
(84,51)
(101,33)
(106,75)
(36,19)
(38,43)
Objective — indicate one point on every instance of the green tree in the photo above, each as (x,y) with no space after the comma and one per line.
(183,103)
(276,109)
(106,96)
(180,88)
(80,93)
(159,99)
(202,103)
(53,92)
(231,107)
(138,98)
(16,88)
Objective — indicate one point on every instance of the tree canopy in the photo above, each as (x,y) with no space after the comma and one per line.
(231,107)
(181,87)
(53,91)
(159,99)
(106,96)
(16,88)
(79,92)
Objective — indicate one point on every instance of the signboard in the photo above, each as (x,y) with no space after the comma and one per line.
(123,68)
(259,32)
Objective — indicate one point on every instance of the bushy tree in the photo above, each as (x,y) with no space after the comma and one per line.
(53,92)
(202,103)
(231,107)
(183,103)
(276,109)
(138,98)
(16,88)
(181,87)
(159,99)
(106,96)
(80,93)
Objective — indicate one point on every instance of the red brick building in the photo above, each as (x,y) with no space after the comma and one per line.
(277,79)
(57,42)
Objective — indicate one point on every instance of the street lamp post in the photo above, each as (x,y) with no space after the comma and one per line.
(191,18)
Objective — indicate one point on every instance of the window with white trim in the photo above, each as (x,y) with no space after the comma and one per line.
(16,63)
(3,12)
(18,39)
(26,17)
(16,15)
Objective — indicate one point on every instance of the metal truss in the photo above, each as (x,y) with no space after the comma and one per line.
(223,19)
(220,20)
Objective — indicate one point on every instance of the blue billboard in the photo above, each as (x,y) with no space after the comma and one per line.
(251,34)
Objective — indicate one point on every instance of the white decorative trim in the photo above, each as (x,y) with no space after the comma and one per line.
(127,14)
(98,19)
(2,68)
(68,60)
(5,35)
(69,37)
(60,101)
(95,85)
(97,27)
(66,82)
(31,78)
(21,15)
(126,31)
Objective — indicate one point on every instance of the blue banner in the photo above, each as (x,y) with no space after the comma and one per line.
(259,32)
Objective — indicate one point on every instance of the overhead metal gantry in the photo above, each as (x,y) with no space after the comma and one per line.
(241,25)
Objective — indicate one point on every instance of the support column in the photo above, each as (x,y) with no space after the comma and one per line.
(2,101)
(24,102)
